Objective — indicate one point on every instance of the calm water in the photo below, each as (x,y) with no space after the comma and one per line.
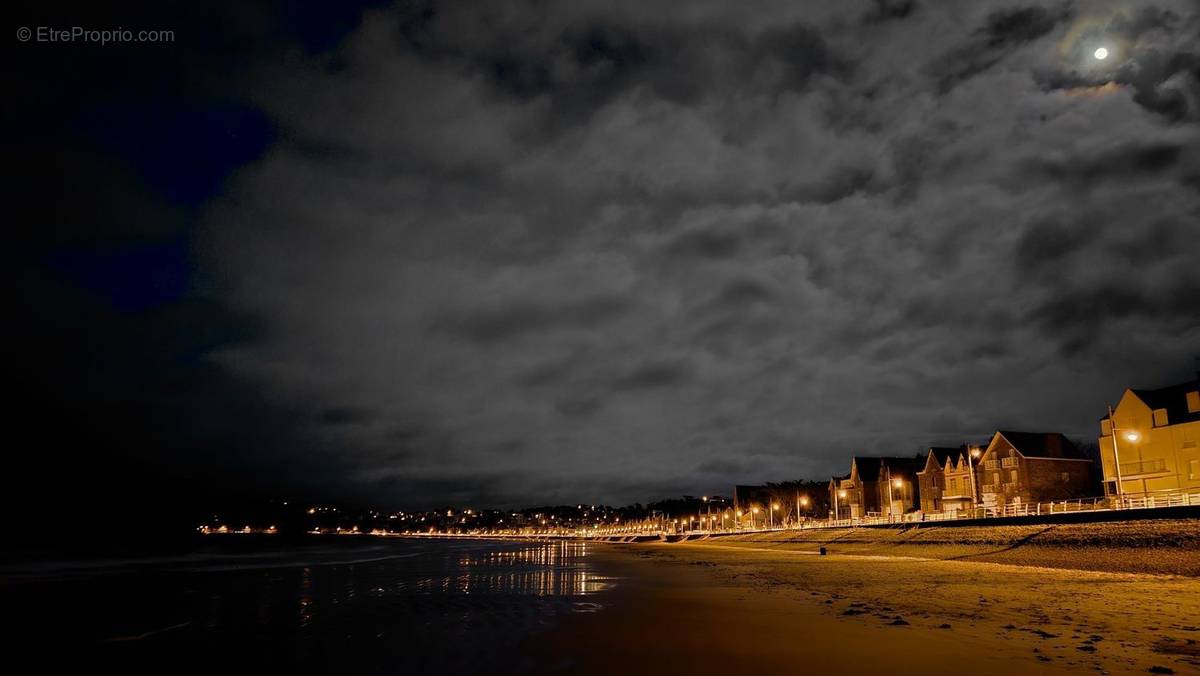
(356,605)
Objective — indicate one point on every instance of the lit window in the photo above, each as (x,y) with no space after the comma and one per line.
(1193,470)
(1160,417)
(1066,477)
(1012,476)
(1193,400)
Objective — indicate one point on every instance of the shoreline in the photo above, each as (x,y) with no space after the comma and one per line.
(716,607)
(1159,547)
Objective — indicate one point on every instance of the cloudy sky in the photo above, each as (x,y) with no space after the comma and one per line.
(522,252)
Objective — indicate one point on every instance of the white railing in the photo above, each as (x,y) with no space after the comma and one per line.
(1113,503)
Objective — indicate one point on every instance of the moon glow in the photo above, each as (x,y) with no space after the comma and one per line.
(1101,53)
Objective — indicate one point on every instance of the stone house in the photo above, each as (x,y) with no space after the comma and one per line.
(1031,467)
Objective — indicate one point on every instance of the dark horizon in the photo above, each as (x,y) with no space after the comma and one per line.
(417,254)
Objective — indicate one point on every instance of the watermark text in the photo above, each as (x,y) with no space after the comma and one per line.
(102,37)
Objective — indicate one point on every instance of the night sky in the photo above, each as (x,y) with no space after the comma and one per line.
(500,254)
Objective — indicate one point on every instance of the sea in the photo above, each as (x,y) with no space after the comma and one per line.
(334,605)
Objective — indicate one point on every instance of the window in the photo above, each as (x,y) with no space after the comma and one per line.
(1160,417)
(1066,476)
(1193,399)
(996,478)
(1193,470)
(991,464)
(954,485)
(1012,476)
(1105,427)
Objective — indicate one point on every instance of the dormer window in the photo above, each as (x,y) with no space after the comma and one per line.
(1105,427)
(1160,417)
(1193,402)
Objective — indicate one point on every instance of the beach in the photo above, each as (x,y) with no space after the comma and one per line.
(766,603)
(1121,597)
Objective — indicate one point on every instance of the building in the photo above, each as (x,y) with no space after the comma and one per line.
(837,498)
(961,486)
(1025,468)
(877,486)
(1156,436)
(932,477)
(945,480)
(858,493)
(899,487)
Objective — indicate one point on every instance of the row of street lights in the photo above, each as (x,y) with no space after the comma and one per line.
(685,522)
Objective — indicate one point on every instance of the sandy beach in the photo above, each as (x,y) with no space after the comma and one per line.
(754,603)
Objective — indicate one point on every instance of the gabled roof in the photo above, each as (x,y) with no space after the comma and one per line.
(1173,398)
(903,466)
(869,467)
(1042,445)
(941,454)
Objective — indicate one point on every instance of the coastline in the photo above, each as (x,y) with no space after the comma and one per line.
(718,606)
(1159,547)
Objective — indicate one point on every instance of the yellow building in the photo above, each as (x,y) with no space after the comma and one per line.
(1156,434)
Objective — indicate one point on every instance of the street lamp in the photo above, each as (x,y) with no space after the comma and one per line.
(774,508)
(1132,436)
(972,453)
(891,502)
(840,494)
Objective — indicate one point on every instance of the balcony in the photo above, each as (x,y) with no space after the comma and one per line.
(1132,469)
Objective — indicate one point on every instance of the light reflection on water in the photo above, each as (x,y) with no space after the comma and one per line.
(421,606)
(554,571)
(550,569)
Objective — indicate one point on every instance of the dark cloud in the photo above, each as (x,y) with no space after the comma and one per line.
(434,252)
(889,10)
(346,415)
(1001,33)
(654,375)
(515,318)
(706,244)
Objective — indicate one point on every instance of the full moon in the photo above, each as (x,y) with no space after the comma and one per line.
(1101,53)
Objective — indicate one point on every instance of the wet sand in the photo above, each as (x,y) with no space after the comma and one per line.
(706,608)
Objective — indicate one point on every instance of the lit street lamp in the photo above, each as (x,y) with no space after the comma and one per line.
(891,502)
(972,453)
(1132,436)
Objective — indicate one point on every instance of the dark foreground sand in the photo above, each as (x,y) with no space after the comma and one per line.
(733,606)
